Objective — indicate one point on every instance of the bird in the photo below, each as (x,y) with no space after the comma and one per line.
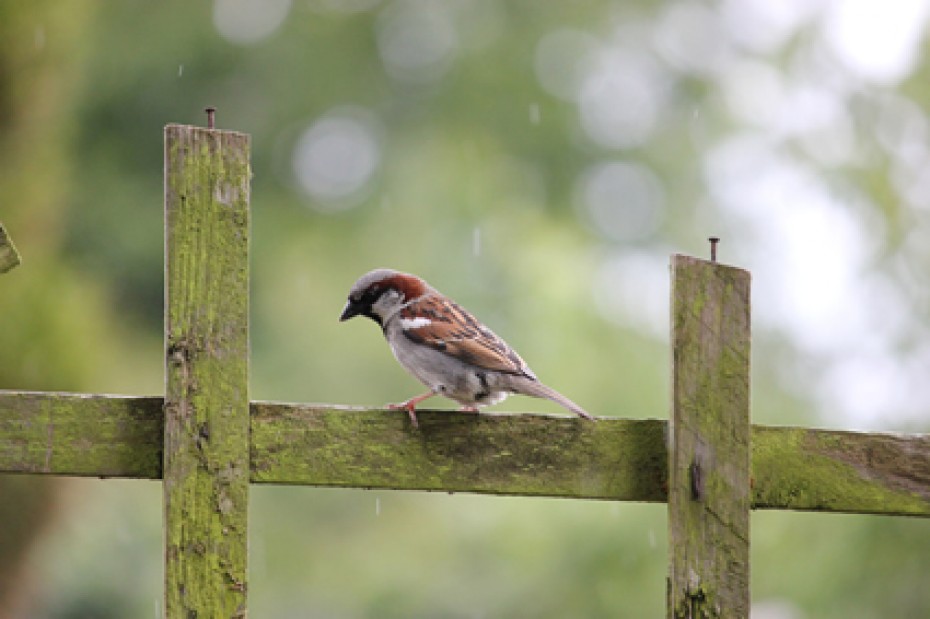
(443,346)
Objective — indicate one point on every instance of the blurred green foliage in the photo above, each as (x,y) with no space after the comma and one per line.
(473,143)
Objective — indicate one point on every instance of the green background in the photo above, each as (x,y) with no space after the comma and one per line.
(538,162)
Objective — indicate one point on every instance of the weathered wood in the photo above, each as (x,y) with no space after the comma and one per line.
(81,435)
(460,452)
(793,468)
(709,451)
(206,453)
(836,471)
(9,257)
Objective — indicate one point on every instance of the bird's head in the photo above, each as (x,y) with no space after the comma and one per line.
(379,294)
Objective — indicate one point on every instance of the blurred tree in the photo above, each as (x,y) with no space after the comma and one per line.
(41,346)
(537,162)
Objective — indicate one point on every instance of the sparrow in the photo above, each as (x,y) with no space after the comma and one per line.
(443,346)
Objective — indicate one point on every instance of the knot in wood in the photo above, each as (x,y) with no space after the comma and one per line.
(697,481)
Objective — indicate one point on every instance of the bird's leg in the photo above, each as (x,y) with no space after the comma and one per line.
(469,409)
(411,406)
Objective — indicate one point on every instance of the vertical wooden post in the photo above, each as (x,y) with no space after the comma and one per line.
(206,458)
(709,450)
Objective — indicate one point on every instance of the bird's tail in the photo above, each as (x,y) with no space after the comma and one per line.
(539,390)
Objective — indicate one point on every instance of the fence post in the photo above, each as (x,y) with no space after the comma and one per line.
(709,442)
(206,449)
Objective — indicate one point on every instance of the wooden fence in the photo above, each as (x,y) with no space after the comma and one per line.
(208,441)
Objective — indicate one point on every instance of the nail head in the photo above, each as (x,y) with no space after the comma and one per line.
(713,247)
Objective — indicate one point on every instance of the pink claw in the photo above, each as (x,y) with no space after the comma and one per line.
(411,407)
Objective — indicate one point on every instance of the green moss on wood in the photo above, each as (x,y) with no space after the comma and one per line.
(819,470)
(206,465)
(616,459)
(459,452)
(709,461)
(81,435)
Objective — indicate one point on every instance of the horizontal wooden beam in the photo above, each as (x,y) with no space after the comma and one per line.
(614,459)
(837,471)
(459,452)
(81,435)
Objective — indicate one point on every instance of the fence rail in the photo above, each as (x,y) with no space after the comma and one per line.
(615,459)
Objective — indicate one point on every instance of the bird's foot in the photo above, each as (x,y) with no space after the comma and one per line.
(468,409)
(411,407)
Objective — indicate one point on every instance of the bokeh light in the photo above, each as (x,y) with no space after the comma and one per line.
(623,201)
(879,43)
(621,98)
(560,56)
(336,157)
(249,21)
(417,40)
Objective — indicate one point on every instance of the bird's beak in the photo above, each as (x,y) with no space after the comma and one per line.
(351,310)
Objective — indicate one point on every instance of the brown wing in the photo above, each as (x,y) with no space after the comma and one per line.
(455,332)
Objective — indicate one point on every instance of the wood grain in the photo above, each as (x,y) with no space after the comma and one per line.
(709,453)
(206,440)
(615,459)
